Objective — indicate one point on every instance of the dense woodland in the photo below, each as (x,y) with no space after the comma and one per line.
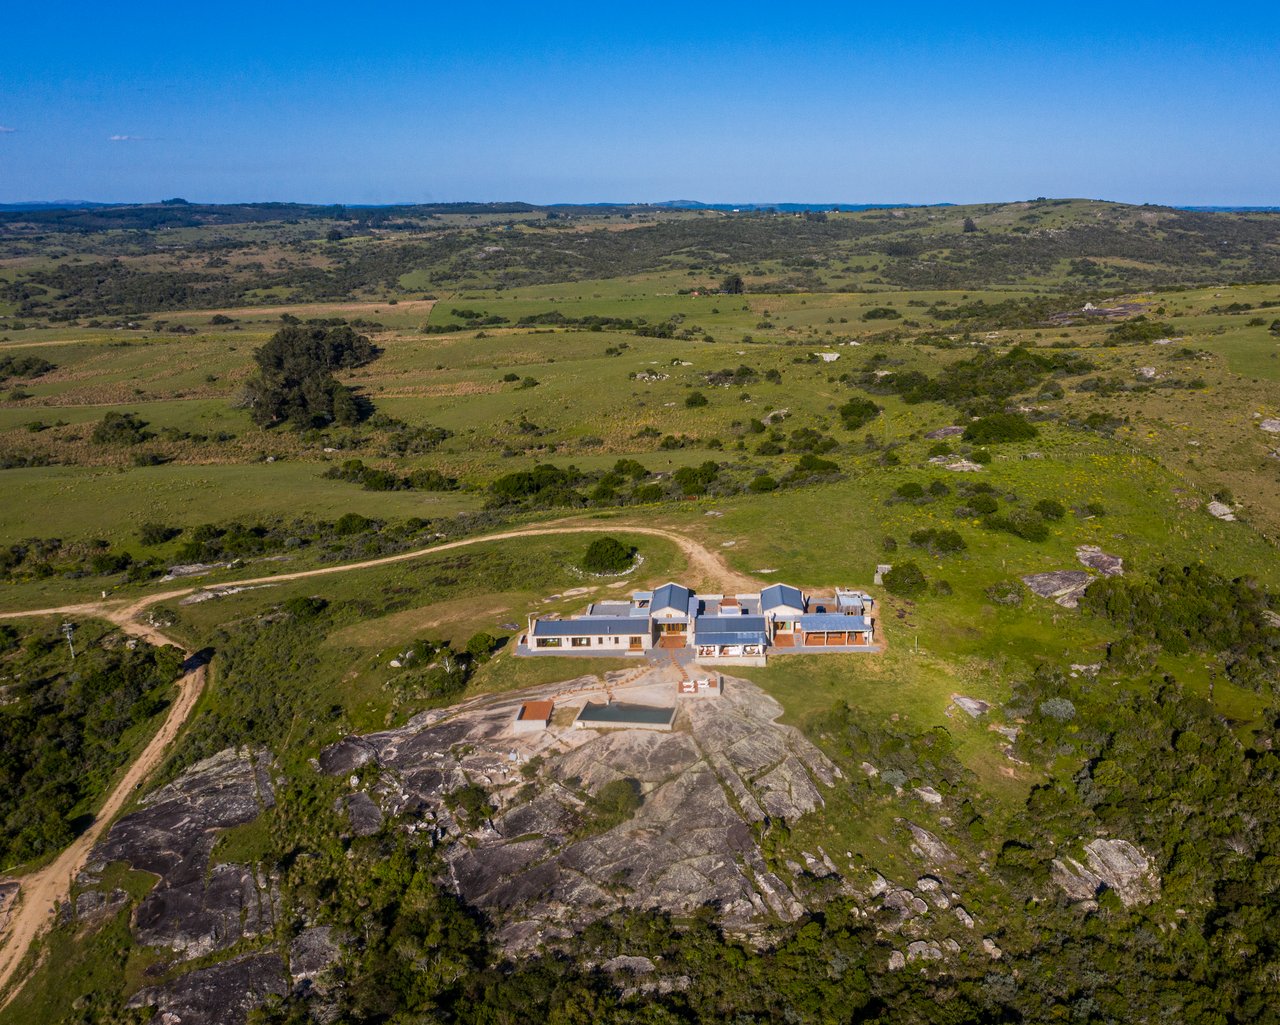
(64,727)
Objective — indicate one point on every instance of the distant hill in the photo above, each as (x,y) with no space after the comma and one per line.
(693,204)
(54,204)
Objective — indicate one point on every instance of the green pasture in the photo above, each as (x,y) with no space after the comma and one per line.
(83,502)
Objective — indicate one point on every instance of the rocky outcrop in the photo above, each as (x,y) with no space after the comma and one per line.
(972,707)
(91,905)
(928,847)
(363,813)
(219,995)
(196,909)
(1093,557)
(312,954)
(539,869)
(1115,865)
(1063,586)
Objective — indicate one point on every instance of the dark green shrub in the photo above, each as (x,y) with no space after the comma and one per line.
(608,555)
(983,504)
(152,534)
(120,429)
(352,523)
(999,427)
(906,579)
(858,413)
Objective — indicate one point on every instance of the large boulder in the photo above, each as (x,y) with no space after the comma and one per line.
(1115,865)
(1062,586)
(222,994)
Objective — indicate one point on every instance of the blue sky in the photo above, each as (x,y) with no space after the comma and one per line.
(567,102)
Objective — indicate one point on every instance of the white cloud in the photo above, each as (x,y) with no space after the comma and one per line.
(6,130)
(124,138)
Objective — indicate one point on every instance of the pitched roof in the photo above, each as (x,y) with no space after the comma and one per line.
(671,596)
(590,626)
(777,595)
(708,625)
(729,630)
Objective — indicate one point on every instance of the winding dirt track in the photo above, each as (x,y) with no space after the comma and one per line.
(45,888)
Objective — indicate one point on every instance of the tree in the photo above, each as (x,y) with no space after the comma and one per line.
(481,646)
(695,399)
(733,284)
(295,382)
(970,225)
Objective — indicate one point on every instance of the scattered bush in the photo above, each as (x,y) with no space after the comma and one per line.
(1008,592)
(1020,523)
(938,542)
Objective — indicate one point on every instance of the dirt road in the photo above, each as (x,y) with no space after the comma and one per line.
(45,888)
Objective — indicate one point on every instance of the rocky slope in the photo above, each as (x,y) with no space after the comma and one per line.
(537,867)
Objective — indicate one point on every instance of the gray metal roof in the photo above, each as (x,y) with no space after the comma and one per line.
(620,609)
(833,621)
(615,712)
(781,594)
(674,596)
(590,626)
(732,638)
(728,624)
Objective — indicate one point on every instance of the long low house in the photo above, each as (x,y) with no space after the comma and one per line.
(738,628)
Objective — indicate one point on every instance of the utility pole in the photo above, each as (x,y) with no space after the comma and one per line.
(68,629)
